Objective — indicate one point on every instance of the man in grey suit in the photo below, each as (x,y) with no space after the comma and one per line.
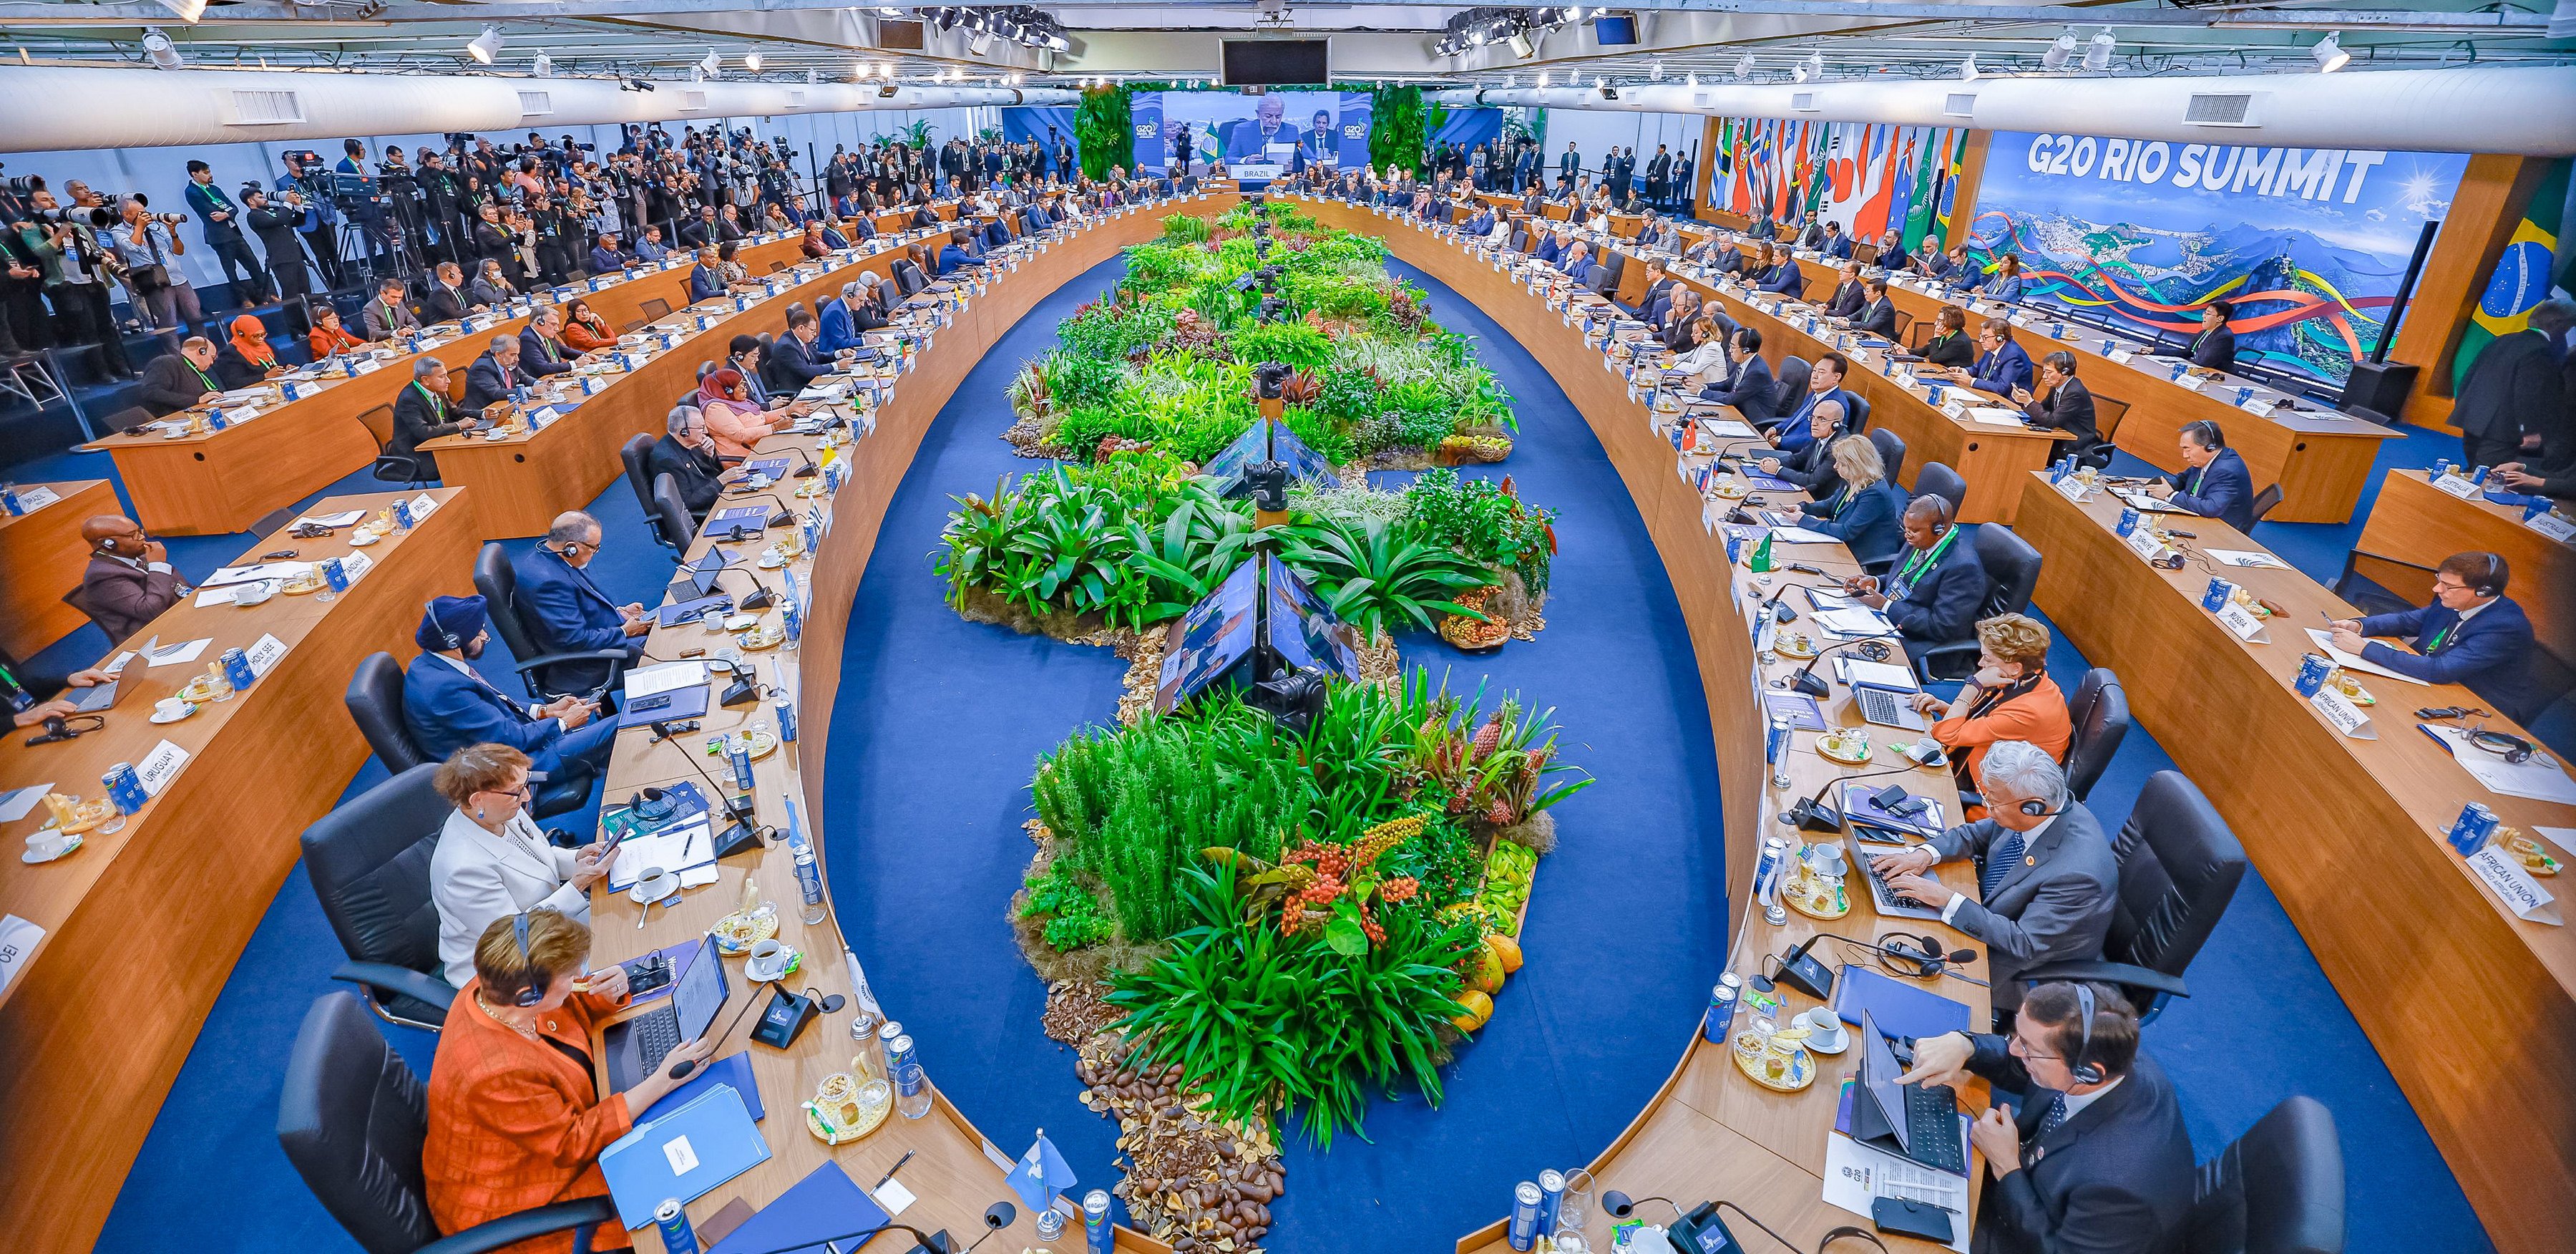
(2046,878)
(2514,399)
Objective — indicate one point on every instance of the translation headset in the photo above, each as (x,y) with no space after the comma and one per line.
(539,978)
(2041,809)
(2490,582)
(429,610)
(2082,1066)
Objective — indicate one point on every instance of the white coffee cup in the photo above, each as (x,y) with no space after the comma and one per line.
(173,708)
(1824,1028)
(768,960)
(49,845)
(255,592)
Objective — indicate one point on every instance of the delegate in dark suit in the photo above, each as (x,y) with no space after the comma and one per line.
(1848,300)
(1811,467)
(1933,595)
(1877,318)
(566,612)
(798,364)
(705,284)
(2113,1178)
(2053,904)
(446,709)
(1749,391)
(172,383)
(2068,407)
(2223,490)
(694,471)
(121,595)
(487,381)
(2002,370)
(1786,278)
(2214,348)
(2514,388)
(1865,521)
(1951,349)
(539,356)
(421,415)
(2489,651)
(447,304)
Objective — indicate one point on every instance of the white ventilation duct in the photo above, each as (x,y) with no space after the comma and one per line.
(2522,110)
(158,108)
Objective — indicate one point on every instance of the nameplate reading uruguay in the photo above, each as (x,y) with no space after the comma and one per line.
(159,767)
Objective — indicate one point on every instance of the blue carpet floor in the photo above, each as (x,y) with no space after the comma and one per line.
(932,754)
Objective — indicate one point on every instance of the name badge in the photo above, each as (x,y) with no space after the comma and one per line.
(159,767)
(2458,485)
(2522,894)
(2242,621)
(2339,710)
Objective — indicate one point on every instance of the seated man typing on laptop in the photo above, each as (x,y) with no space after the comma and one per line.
(2097,1158)
(2047,881)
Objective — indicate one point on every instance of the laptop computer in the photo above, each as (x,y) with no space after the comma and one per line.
(633,1047)
(1883,693)
(1919,1122)
(1889,904)
(698,578)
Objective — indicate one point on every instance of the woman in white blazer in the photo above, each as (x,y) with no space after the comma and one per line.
(492,862)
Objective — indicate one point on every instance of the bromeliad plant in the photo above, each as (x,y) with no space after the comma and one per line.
(1382,577)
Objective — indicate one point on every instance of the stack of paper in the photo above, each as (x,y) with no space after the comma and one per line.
(688,850)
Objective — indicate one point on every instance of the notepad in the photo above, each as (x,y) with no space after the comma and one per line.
(823,1205)
(1899,1008)
(683,1154)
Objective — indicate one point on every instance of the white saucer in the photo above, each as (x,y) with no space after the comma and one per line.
(363,540)
(636,893)
(761,975)
(159,717)
(1814,1048)
(29,857)
(771,561)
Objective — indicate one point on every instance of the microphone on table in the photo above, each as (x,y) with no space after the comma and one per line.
(739,809)
(760,598)
(809,469)
(736,529)
(1810,813)
(1805,680)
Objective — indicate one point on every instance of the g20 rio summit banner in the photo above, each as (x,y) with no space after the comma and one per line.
(2309,244)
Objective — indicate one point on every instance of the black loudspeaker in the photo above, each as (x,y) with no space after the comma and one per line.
(2378,386)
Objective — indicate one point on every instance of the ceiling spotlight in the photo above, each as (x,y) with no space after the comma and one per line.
(1968,68)
(888,10)
(2097,54)
(751,62)
(1522,46)
(2059,52)
(1658,71)
(542,66)
(885,70)
(711,65)
(1815,65)
(812,77)
(157,46)
(2330,54)
(185,10)
(1542,78)
(485,46)
(1744,67)
(697,74)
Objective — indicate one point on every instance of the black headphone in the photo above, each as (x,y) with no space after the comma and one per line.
(2082,1066)
(539,978)
(2207,434)
(429,609)
(2041,810)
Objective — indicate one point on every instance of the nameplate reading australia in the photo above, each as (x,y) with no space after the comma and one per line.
(2552,526)
(2073,489)
(2459,486)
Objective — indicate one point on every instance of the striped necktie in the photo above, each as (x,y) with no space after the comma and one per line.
(1999,863)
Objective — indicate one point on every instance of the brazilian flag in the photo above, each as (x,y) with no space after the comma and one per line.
(2533,261)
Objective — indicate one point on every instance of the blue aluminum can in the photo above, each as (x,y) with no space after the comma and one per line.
(2312,674)
(786,708)
(335,574)
(677,1236)
(1097,1232)
(124,788)
(2215,596)
(1776,743)
(2128,523)
(1720,1018)
(1551,1198)
(2475,826)
(888,1033)
(899,1055)
(1525,1203)
(237,670)
(738,748)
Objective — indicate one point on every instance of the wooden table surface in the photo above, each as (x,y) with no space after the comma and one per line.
(223,481)
(41,558)
(143,925)
(2347,833)
(1709,1132)
(2320,459)
(2418,524)
(955,1171)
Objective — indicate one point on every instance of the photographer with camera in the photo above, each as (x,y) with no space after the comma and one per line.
(63,245)
(362,201)
(222,220)
(275,227)
(306,186)
(149,253)
(443,190)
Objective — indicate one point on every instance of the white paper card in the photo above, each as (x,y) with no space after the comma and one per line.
(2144,544)
(18,941)
(2339,710)
(2242,621)
(341,519)
(422,506)
(264,655)
(356,565)
(1857,1175)
(892,1197)
(34,499)
(177,654)
(668,677)
(2539,779)
(2459,486)
(253,574)
(683,1158)
(1998,417)
(2324,641)
(2552,526)
(15,803)
(159,767)
(2247,558)
(2522,894)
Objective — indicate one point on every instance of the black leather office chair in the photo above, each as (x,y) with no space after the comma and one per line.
(2107,414)
(352,1119)
(1855,412)
(2278,1189)
(2179,867)
(1789,386)
(585,673)
(1935,479)
(369,861)
(1602,281)
(375,702)
(2099,713)
(638,478)
(2266,501)
(909,277)
(670,514)
(1891,450)
(1520,240)
(2012,574)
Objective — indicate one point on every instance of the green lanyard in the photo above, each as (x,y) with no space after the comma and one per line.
(1924,559)
(2443,637)
(211,385)
(437,404)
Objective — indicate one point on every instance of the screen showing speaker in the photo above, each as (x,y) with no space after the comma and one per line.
(1257,137)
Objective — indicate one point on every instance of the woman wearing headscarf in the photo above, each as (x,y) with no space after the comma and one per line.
(733,418)
(585,330)
(245,357)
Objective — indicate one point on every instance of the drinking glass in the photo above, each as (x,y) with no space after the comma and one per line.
(911,1091)
(1574,1210)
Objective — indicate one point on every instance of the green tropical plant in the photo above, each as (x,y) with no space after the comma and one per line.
(918,134)
(1104,129)
(1379,578)
(1397,128)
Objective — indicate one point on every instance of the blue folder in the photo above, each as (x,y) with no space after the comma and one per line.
(733,1073)
(1900,1008)
(825,1204)
(683,1154)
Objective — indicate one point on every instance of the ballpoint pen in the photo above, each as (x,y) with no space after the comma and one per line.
(889,1175)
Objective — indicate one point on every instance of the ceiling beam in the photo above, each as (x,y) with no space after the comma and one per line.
(2506,21)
